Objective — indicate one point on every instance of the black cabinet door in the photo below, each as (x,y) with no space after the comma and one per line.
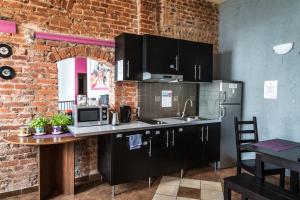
(167,151)
(128,57)
(211,152)
(160,55)
(129,165)
(193,140)
(195,61)
(205,62)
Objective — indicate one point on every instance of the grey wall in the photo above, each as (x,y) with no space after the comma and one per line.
(248,31)
(150,99)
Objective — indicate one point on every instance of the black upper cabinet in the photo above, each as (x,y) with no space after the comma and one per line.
(196,60)
(135,54)
(128,56)
(160,55)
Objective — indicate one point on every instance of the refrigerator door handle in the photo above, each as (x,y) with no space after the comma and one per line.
(222,112)
(224,96)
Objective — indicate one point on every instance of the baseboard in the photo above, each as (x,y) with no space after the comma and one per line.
(78,181)
(19,192)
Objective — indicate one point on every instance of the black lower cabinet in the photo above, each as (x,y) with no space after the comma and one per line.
(202,145)
(117,163)
(167,151)
(211,148)
(193,147)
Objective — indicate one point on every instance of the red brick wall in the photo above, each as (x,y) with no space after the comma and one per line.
(34,90)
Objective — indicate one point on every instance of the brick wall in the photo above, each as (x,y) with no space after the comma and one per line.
(34,90)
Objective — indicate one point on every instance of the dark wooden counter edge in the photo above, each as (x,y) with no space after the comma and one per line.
(42,141)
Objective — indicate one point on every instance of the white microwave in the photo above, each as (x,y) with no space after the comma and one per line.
(90,115)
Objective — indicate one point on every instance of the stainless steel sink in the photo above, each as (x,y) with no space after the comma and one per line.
(190,118)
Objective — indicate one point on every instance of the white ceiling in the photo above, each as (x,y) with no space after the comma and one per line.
(217,1)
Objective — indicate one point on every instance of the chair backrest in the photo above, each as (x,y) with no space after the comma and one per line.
(240,132)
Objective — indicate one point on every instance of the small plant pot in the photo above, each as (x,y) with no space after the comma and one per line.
(39,131)
(56,130)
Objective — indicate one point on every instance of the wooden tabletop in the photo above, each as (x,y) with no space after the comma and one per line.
(41,141)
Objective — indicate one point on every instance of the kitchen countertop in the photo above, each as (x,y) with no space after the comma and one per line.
(133,126)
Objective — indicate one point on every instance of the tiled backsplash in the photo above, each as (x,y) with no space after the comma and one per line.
(209,100)
(150,99)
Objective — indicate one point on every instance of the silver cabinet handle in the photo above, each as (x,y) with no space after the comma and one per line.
(150,147)
(199,75)
(128,68)
(176,63)
(167,144)
(195,72)
(202,130)
(207,133)
(173,139)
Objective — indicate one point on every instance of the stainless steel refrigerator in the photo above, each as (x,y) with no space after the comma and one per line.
(223,99)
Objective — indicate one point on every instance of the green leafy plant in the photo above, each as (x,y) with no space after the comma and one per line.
(61,120)
(39,122)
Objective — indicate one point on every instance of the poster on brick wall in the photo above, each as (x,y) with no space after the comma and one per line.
(98,78)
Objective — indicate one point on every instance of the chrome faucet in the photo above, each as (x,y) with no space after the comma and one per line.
(183,112)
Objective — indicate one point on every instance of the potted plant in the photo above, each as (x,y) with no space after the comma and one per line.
(59,121)
(39,125)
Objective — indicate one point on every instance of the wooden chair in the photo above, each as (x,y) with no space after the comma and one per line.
(250,165)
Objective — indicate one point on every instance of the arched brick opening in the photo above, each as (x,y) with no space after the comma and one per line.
(101,54)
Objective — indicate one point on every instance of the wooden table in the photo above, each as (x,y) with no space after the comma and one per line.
(286,158)
(56,163)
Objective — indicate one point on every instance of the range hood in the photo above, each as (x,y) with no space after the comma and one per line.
(146,76)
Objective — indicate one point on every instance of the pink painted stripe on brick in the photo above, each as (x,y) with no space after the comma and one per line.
(8,26)
(74,39)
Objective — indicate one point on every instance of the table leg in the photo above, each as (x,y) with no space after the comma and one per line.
(259,167)
(294,182)
(56,170)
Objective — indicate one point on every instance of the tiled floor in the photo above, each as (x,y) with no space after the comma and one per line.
(188,189)
(139,190)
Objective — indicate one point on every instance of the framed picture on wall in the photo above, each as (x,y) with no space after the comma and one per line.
(99,75)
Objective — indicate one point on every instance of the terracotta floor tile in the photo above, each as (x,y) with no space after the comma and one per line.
(189,193)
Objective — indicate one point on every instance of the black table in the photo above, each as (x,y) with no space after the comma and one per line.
(286,159)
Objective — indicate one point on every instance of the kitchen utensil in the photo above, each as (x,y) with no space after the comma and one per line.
(92,102)
(115,119)
(24,131)
(81,100)
(125,114)
(104,99)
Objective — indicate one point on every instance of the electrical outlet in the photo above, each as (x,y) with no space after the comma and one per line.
(157,98)
(175,98)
